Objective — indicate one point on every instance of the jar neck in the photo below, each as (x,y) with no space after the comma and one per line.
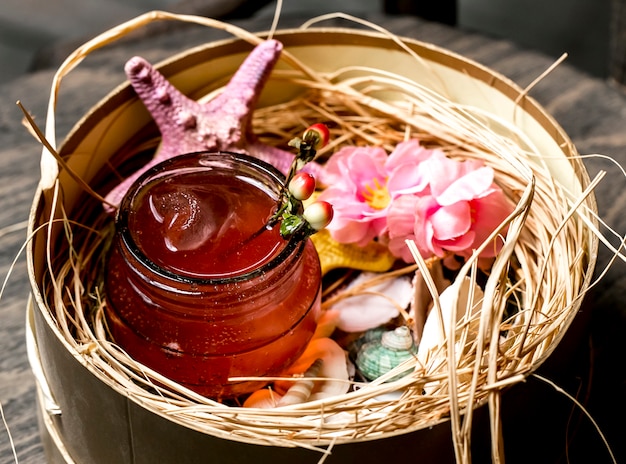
(288,258)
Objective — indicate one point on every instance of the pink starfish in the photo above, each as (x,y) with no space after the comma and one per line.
(224,123)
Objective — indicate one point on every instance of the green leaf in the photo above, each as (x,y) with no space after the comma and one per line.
(290,224)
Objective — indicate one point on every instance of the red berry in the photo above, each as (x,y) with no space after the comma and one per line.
(302,185)
(317,135)
(318,214)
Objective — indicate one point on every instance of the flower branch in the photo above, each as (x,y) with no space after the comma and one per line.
(299,186)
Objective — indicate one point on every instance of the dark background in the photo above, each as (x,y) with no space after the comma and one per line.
(31,30)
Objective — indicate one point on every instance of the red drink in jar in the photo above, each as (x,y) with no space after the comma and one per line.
(197,287)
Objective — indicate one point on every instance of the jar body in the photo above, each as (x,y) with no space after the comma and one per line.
(202,328)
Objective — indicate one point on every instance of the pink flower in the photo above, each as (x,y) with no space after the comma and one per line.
(459,210)
(362,182)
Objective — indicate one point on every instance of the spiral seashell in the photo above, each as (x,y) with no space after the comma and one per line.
(301,390)
(399,339)
(377,358)
(371,335)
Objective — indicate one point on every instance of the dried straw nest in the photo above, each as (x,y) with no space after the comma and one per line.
(544,268)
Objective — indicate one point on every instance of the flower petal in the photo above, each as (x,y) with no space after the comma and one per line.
(489,213)
(343,165)
(452,221)
(407,179)
(405,168)
(398,247)
(460,245)
(350,231)
(401,216)
(444,171)
(471,185)
(423,228)
(406,153)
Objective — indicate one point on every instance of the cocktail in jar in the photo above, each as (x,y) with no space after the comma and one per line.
(198,287)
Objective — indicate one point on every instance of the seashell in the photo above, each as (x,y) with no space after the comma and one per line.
(377,358)
(422,299)
(454,303)
(375,306)
(371,335)
(333,255)
(301,390)
(334,369)
(326,324)
(263,398)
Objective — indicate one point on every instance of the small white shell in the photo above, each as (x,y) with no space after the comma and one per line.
(398,339)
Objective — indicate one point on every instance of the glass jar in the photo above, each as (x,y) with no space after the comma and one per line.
(197,287)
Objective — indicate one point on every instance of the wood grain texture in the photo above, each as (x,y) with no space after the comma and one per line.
(592,112)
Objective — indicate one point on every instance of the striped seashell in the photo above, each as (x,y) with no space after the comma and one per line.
(377,358)
(371,335)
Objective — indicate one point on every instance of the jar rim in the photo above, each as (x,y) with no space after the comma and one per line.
(293,248)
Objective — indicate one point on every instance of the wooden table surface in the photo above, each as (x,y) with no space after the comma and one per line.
(592,112)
